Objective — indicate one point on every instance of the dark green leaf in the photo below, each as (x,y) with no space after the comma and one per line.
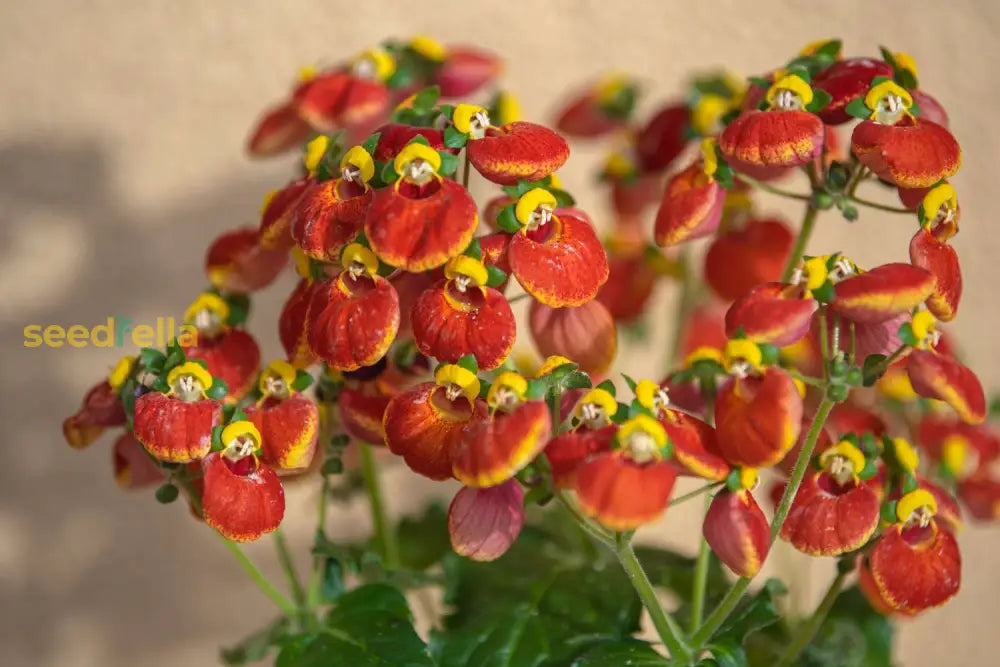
(426,98)
(821,98)
(561,371)
(419,139)
(857,108)
(830,49)
(630,652)
(826,293)
(473,250)
(727,654)
(449,163)
(256,646)
(468,362)
(874,368)
(152,359)
(915,109)
(607,386)
(905,78)
(847,210)
(506,220)
(175,357)
(563,198)
(621,414)
(752,614)
(888,57)
(401,78)
(333,465)
(371,142)
(217,445)
(218,390)
(302,381)
(535,605)
(577,380)
(423,539)
(239,309)
(333,579)
(759,81)
(453,138)
(495,276)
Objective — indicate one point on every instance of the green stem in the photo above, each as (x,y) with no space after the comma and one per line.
(319,562)
(881,207)
(693,494)
(700,578)
(805,231)
(592,529)
(760,185)
(731,599)
(666,626)
(824,341)
(266,587)
(805,379)
(808,630)
(288,565)
(685,303)
(385,536)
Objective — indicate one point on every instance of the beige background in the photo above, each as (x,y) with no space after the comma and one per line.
(121,134)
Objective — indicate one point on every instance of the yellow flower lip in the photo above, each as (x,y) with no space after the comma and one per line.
(375,64)
(650,395)
(189,369)
(707,112)
(610,85)
(833,460)
(799,93)
(507,385)
(954,453)
(357,258)
(457,381)
(277,378)
(428,47)
(469,268)
(357,164)
(816,272)
(619,165)
(643,437)
(922,325)
(303,266)
(415,160)
(919,502)
(208,302)
(507,109)
(120,373)
(470,119)
(905,61)
(906,455)
(315,150)
(709,159)
(241,438)
(703,353)
(600,399)
(748,478)
(530,202)
(742,350)
(939,196)
(882,99)
(266,200)
(551,363)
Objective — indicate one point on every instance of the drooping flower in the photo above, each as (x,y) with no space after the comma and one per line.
(491,450)
(242,497)
(462,315)
(601,108)
(353,318)
(908,151)
(463,70)
(422,424)
(585,333)
(692,202)
(287,421)
(556,256)
(484,522)
(929,250)
(133,469)
(347,97)
(834,510)
(276,215)
(292,324)
(845,81)
(100,408)
(508,153)
(592,432)
(177,426)
(662,138)
(742,258)
(736,528)
(775,313)
(765,143)
(422,219)
(936,375)
(237,262)
(230,354)
(882,293)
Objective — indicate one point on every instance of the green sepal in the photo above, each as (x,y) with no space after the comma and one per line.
(302,381)
(905,333)
(563,198)
(723,172)
(388,174)
(888,57)
(630,382)
(910,484)
(914,109)
(820,100)
(905,78)
(453,138)
(449,163)
(607,386)
(857,108)
(238,416)
(401,78)
(759,81)
(874,368)
(825,294)
(879,79)
(333,465)
(577,380)
(468,362)
(425,100)
(167,493)
(768,354)
(847,210)
(869,446)
(837,176)
(419,139)
(869,471)
(635,408)
(152,359)
(218,390)
(473,250)
(160,384)
(536,389)
(239,309)
(621,414)
(371,143)
(217,445)
(733,483)
(484,387)
(495,276)
(507,221)
(888,512)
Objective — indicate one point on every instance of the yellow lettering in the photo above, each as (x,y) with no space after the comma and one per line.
(189,336)
(54,335)
(108,331)
(77,336)
(33,335)
(142,335)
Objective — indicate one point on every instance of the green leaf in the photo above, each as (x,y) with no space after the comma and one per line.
(401,78)
(727,654)
(820,100)
(389,174)
(830,49)
(826,293)
(577,380)
(536,389)
(905,78)
(535,605)
(557,374)
(426,98)
(880,79)
(563,198)
(753,613)
(759,81)
(239,309)
(218,390)
(506,220)
(852,634)
(874,368)
(302,381)
(423,539)
(152,359)
(468,362)
(888,57)
(217,445)
(453,138)
(857,108)
(449,163)
(847,210)
(371,626)
(631,652)
(495,276)
(473,250)
(371,142)
(607,386)
(256,646)
(419,139)
(630,382)
(175,357)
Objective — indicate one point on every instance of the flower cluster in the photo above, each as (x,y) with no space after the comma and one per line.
(830,383)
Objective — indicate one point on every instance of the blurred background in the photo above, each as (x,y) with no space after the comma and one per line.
(121,156)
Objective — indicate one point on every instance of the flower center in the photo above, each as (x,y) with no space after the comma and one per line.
(208,314)
(240,440)
(916,508)
(789,93)
(471,120)
(189,381)
(843,462)
(642,439)
(742,357)
(889,102)
(534,208)
(187,388)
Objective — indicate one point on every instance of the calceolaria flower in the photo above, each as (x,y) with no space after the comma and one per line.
(736,529)
(176,425)
(230,353)
(287,421)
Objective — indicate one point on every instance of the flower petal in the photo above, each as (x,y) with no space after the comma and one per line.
(448,324)
(328,217)
(828,519)
(173,430)
(758,419)
(484,523)
(663,138)
(289,430)
(621,494)
(236,262)
(769,313)
(338,99)
(695,449)
(233,357)
(355,329)
(912,154)
(941,260)
(912,576)
(361,412)
(586,334)
(492,450)
(691,207)
(276,217)
(772,139)
(292,325)
(741,259)
(738,532)
(882,293)
(937,376)
(132,467)
(241,504)
(465,70)
(517,151)
(280,129)
(567,451)
(845,81)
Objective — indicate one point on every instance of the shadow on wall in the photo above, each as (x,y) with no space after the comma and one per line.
(89,575)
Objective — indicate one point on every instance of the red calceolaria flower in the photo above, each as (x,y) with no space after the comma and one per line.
(352,319)
(556,255)
(133,469)
(422,220)
(511,152)
(736,528)
(276,215)
(292,324)
(484,522)
(463,69)
(462,315)
(230,354)
(237,262)
(600,109)
(662,138)
(692,202)
(242,497)
(422,424)
(901,148)
(963,454)
(744,257)
(765,143)
(845,81)
(939,214)
(585,333)
(176,426)
(288,422)
(100,409)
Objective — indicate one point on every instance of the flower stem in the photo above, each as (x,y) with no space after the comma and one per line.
(693,494)
(666,626)
(385,536)
(881,207)
(760,185)
(319,562)
(592,529)
(288,565)
(685,303)
(808,629)
(805,231)
(700,578)
(266,587)
(729,602)
(465,170)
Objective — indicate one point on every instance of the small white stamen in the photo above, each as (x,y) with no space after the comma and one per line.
(239,448)
(642,447)
(452,392)
(462,283)
(351,174)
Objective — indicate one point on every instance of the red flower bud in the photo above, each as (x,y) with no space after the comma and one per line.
(484,523)
(738,532)
(465,70)
(662,138)
(338,99)
(292,324)
(586,334)
(280,129)
(691,207)
(100,409)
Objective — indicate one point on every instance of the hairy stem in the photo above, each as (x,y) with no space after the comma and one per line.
(319,562)
(760,185)
(385,536)
(266,587)
(807,631)
(685,303)
(694,494)
(881,207)
(288,566)
(805,231)
(700,578)
(666,626)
